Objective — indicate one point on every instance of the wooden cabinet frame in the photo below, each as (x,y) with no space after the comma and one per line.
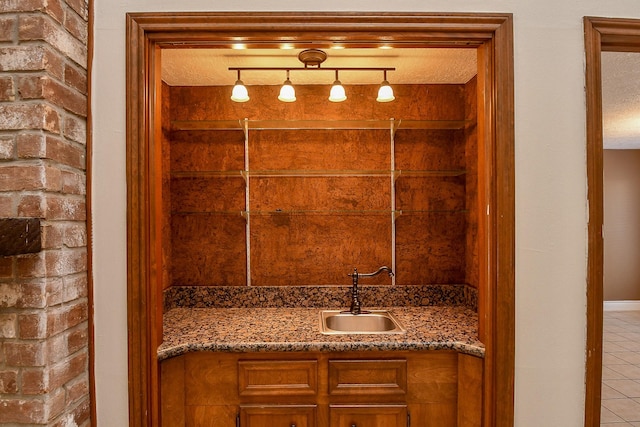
(490,34)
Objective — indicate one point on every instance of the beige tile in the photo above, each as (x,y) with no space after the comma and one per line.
(620,424)
(609,359)
(610,374)
(627,409)
(613,346)
(631,372)
(629,388)
(611,393)
(613,337)
(628,356)
(606,416)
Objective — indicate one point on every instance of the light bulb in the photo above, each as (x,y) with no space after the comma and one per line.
(239,92)
(287,92)
(385,93)
(337,93)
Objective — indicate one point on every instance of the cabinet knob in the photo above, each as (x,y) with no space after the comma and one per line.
(293,425)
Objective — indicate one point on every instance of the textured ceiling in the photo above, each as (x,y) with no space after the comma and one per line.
(209,67)
(621,100)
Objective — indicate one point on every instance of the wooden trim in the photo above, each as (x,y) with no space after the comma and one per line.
(89,203)
(492,34)
(613,35)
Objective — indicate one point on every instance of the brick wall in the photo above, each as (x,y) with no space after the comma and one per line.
(44,356)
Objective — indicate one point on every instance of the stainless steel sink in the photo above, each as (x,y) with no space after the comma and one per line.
(333,322)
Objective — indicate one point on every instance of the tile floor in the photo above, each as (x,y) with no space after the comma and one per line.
(621,369)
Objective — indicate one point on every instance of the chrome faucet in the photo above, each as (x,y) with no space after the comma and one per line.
(355,299)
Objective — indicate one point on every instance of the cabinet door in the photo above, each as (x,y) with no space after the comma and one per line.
(368,416)
(278,416)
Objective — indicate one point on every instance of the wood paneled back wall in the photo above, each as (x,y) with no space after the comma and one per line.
(320,200)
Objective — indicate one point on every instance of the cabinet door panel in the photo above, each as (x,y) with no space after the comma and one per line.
(368,416)
(278,416)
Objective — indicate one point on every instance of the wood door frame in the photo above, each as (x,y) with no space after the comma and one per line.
(491,34)
(601,35)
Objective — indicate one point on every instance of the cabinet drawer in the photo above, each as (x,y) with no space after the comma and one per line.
(278,416)
(277,378)
(368,416)
(368,377)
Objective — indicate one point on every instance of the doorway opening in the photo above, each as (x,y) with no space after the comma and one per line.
(601,35)
(490,35)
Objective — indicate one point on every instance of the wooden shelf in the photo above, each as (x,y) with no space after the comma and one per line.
(391,124)
(316,173)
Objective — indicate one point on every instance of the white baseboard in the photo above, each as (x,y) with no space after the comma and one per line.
(621,305)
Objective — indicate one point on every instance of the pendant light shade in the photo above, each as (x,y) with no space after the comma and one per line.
(239,92)
(385,93)
(287,92)
(337,93)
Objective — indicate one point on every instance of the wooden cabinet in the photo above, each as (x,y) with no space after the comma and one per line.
(277,416)
(369,416)
(363,389)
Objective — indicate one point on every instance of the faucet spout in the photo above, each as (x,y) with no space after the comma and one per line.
(355,298)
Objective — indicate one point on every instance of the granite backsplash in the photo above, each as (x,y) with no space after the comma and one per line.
(318,296)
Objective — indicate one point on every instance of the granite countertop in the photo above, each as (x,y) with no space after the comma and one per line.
(297,329)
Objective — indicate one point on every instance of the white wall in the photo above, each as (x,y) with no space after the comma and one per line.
(551,213)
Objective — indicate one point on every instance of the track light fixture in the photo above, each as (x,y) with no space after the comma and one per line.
(312,60)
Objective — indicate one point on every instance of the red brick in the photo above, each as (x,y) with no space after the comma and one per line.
(77,340)
(57,348)
(8,206)
(31,265)
(43,87)
(75,129)
(31,145)
(65,207)
(80,7)
(74,183)
(54,9)
(23,5)
(35,27)
(30,353)
(8,327)
(65,152)
(67,317)
(77,389)
(22,58)
(21,177)
(35,381)
(64,262)
(33,326)
(75,235)
(55,291)
(7,91)
(55,404)
(22,411)
(19,116)
(7,147)
(8,381)
(7,28)
(32,206)
(52,235)
(76,26)
(75,78)
(22,295)
(67,370)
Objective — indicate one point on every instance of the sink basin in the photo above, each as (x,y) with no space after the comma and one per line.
(333,322)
